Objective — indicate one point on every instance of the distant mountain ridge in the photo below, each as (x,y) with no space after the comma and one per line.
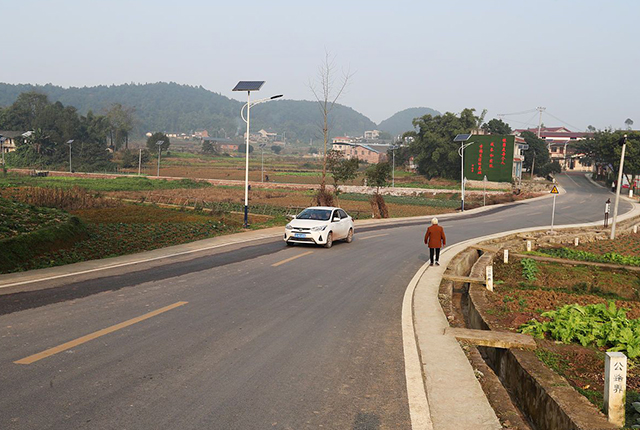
(171,107)
(401,121)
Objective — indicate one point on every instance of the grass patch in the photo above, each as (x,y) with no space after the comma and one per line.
(405,200)
(99,184)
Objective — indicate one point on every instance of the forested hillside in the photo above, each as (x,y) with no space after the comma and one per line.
(402,121)
(171,107)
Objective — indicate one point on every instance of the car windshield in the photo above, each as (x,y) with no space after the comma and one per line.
(317,214)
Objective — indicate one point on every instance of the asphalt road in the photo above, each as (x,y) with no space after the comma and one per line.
(270,337)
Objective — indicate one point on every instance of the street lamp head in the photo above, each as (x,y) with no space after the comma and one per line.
(622,140)
(276,97)
(160,142)
(70,141)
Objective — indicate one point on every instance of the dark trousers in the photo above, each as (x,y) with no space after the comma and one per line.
(435,251)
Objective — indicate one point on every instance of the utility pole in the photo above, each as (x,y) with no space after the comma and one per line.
(540,109)
(139,161)
(533,163)
(622,142)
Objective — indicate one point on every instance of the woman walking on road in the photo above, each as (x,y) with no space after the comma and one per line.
(435,239)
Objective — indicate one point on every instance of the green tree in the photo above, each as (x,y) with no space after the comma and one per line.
(157,137)
(342,169)
(629,123)
(385,136)
(207,147)
(378,176)
(537,147)
(276,149)
(604,148)
(433,149)
(242,148)
(121,120)
(496,126)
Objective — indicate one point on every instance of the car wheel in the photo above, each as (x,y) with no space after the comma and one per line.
(289,243)
(329,240)
(349,238)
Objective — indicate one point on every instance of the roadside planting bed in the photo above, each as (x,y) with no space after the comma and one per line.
(576,312)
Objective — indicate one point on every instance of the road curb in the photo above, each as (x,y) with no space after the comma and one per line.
(453,394)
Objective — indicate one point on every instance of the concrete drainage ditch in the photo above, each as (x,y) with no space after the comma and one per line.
(524,392)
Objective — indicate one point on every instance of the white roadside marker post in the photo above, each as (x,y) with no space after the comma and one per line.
(528,246)
(489,277)
(615,386)
(576,241)
(506,256)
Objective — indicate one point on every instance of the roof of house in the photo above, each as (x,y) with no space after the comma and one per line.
(9,134)
(558,132)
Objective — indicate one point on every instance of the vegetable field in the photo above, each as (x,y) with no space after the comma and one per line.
(576,312)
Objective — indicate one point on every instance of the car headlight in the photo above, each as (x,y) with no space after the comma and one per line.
(319,228)
(288,227)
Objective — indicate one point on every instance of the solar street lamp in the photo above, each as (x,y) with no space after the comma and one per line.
(393,164)
(462,138)
(69,142)
(159,143)
(249,86)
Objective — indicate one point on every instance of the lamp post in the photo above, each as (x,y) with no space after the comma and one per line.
(69,143)
(622,142)
(159,143)
(249,86)
(262,145)
(393,164)
(462,138)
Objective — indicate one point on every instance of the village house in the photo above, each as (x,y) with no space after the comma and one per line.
(222,145)
(10,139)
(371,154)
(560,142)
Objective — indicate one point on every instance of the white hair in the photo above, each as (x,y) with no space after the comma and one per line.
(434,221)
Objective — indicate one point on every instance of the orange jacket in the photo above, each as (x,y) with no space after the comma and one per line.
(434,237)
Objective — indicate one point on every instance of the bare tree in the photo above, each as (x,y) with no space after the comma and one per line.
(327,90)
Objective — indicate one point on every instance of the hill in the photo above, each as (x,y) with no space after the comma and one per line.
(401,121)
(171,107)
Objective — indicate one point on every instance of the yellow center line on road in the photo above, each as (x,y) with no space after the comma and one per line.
(371,237)
(71,344)
(291,259)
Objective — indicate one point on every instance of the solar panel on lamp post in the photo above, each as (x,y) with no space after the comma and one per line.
(462,138)
(159,143)
(249,86)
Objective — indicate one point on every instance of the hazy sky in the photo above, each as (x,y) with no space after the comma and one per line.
(579,59)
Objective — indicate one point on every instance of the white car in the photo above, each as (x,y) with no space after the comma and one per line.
(320,225)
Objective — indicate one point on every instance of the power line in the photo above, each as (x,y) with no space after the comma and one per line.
(566,123)
(517,113)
